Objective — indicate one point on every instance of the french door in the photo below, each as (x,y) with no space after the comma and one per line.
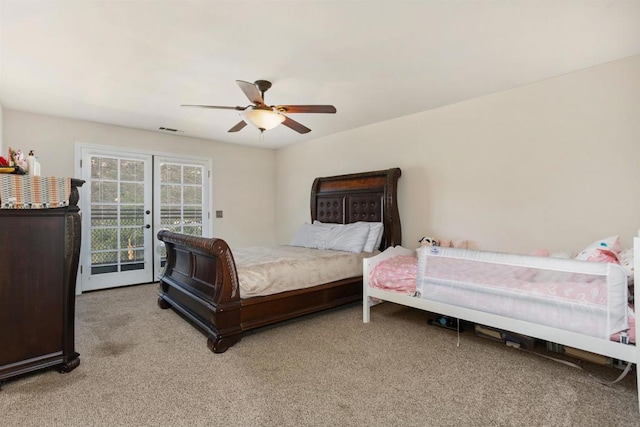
(127,198)
(180,200)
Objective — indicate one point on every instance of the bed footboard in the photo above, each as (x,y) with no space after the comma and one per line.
(200,282)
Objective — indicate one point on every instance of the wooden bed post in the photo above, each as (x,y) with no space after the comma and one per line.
(201,282)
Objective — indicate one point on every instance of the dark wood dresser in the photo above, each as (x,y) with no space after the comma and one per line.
(39,254)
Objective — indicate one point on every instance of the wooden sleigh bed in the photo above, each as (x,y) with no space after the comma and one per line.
(200,278)
(458,306)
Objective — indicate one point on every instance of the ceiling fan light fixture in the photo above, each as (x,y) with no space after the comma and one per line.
(263,119)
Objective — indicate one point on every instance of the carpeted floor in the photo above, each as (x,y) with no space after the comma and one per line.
(143,366)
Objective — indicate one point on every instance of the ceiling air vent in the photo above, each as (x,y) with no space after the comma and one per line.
(164,129)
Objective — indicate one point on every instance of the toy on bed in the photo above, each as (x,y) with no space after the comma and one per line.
(429,241)
(445,243)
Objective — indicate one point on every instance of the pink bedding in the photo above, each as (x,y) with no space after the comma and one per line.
(395,274)
(399,274)
(590,289)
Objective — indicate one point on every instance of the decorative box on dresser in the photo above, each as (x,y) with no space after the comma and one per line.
(39,254)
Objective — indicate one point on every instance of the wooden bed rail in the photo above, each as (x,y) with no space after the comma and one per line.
(201,282)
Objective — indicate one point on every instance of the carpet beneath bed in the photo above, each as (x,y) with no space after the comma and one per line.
(144,366)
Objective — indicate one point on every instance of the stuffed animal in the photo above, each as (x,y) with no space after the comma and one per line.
(428,241)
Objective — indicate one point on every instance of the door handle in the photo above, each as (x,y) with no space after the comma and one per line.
(146,226)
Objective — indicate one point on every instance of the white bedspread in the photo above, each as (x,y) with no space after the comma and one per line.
(274,269)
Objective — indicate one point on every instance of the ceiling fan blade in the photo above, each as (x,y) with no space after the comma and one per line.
(217,107)
(251,91)
(298,127)
(306,108)
(238,126)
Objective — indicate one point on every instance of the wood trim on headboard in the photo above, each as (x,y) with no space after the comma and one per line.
(365,196)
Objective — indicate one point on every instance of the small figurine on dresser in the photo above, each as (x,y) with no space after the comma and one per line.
(15,164)
(17,157)
(19,164)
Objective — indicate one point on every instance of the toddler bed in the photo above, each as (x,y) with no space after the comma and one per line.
(569,302)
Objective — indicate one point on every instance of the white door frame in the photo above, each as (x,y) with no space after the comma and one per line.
(85,191)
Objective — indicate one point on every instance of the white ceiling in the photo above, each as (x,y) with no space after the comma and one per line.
(132,63)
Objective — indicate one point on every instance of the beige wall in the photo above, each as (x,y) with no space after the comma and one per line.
(243,178)
(554,164)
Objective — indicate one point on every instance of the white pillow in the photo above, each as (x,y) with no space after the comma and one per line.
(348,238)
(338,237)
(310,236)
(326,225)
(374,237)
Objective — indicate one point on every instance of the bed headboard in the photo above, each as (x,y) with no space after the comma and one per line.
(365,196)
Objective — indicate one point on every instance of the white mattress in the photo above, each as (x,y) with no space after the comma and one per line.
(274,269)
(585,297)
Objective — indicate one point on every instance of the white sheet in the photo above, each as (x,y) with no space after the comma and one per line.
(274,269)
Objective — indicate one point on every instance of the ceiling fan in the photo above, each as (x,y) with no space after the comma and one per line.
(266,117)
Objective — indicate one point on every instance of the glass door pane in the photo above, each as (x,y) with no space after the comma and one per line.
(118,219)
(181,202)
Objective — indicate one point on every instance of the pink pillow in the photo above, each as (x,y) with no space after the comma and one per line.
(605,250)
(603,255)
